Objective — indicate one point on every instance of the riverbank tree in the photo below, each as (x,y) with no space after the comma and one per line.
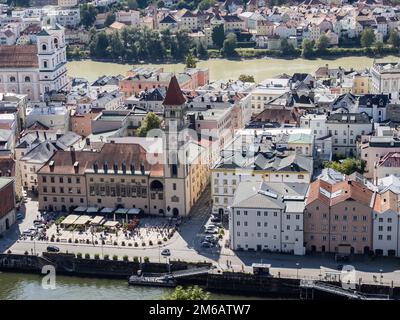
(307,48)
(394,39)
(88,15)
(229,46)
(134,44)
(190,293)
(246,78)
(368,38)
(218,35)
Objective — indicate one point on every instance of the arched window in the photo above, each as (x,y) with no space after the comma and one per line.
(44,64)
(56,42)
(12,79)
(27,79)
(44,47)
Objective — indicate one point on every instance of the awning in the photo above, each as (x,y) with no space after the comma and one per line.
(134,211)
(92,210)
(111,224)
(97,220)
(80,209)
(107,210)
(121,211)
(70,219)
(82,220)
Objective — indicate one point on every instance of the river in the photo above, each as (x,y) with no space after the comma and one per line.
(222,69)
(18,286)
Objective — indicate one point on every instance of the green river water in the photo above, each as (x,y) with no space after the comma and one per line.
(18,286)
(222,69)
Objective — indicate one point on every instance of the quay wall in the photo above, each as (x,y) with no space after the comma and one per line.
(226,282)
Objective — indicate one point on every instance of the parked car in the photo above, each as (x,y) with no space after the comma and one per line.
(211,231)
(166,253)
(206,244)
(211,239)
(215,219)
(210,226)
(53,249)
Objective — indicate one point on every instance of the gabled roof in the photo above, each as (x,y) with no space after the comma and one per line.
(168,19)
(37,125)
(174,95)
(332,194)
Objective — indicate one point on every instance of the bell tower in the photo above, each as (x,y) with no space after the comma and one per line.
(176,190)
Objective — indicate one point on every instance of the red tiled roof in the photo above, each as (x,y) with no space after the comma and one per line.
(278,115)
(350,190)
(7,167)
(174,96)
(24,56)
(111,153)
(391,159)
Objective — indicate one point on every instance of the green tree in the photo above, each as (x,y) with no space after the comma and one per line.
(190,293)
(367,37)
(201,51)
(347,166)
(379,48)
(132,4)
(287,48)
(166,39)
(218,35)
(229,46)
(151,121)
(206,4)
(143,3)
(322,43)
(307,48)
(190,61)
(160,4)
(98,45)
(110,19)
(88,15)
(246,78)
(183,5)
(115,48)
(183,44)
(394,39)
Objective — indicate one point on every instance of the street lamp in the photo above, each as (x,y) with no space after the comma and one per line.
(380,270)
(297,266)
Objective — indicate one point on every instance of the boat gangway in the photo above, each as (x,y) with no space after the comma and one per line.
(336,290)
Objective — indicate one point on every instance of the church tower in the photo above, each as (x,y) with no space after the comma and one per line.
(52,58)
(175,170)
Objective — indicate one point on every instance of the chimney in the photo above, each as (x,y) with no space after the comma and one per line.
(123,166)
(105,166)
(73,155)
(142,168)
(51,165)
(95,167)
(76,166)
